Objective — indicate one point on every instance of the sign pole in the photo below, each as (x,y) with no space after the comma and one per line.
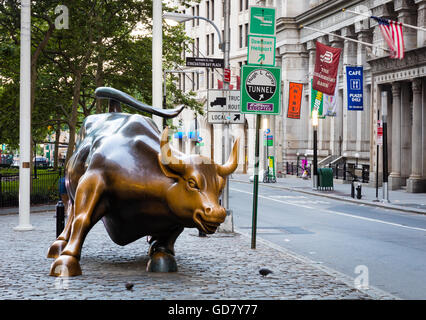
(255,184)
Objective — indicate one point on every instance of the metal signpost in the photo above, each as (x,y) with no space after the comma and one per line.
(260,88)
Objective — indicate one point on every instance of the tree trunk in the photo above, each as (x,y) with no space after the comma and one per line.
(73,121)
(56,152)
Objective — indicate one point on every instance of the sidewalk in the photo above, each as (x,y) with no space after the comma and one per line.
(399,199)
(219,267)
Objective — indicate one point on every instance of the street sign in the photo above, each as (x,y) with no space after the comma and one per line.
(260,92)
(261,50)
(379,133)
(223,100)
(262,21)
(204,62)
(225,117)
(227,75)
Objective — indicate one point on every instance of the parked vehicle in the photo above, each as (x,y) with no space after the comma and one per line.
(41,162)
(6,160)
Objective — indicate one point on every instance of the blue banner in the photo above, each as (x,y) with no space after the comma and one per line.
(354,78)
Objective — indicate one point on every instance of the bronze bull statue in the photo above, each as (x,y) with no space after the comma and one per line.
(125,173)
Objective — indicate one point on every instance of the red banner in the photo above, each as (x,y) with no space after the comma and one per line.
(294,100)
(326,67)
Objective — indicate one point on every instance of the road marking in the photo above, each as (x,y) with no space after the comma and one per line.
(333,212)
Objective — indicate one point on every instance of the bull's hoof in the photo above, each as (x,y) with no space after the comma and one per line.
(65,266)
(56,249)
(161,262)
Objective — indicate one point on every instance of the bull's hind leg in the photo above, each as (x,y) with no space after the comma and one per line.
(162,252)
(88,193)
(58,246)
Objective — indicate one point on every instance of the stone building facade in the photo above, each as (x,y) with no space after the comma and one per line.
(350,135)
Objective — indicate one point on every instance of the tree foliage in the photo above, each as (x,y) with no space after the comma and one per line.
(100,48)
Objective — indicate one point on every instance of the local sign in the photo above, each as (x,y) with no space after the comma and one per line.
(261,50)
(260,91)
(225,117)
(262,21)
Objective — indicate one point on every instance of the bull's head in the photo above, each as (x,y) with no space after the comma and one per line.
(198,183)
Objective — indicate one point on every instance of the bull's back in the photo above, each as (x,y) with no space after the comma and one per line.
(101,135)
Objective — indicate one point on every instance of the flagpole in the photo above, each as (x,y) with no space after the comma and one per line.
(343,37)
(403,24)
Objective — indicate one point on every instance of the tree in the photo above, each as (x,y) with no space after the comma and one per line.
(100,48)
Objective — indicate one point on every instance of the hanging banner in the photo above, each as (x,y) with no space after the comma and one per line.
(330,102)
(354,76)
(317,102)
(326,67)
(294,100)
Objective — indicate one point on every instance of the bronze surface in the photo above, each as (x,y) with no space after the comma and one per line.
(126,174)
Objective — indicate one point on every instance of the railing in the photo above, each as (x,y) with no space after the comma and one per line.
(342,171)
(44,188)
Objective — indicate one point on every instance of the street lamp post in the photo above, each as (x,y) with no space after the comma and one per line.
(385,146)
(25,119)
(224,46)
(297,164)
(315,160)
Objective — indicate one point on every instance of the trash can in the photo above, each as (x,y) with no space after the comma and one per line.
(325,179)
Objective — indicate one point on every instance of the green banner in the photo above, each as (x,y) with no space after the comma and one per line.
(317,102)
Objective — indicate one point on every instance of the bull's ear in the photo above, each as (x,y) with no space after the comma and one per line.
(166,171)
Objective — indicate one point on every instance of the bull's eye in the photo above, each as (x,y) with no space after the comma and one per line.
(192,184)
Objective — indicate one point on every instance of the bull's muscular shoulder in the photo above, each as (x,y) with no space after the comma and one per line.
(119,140)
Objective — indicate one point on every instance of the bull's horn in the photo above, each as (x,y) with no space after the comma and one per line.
(170,157)
(232,163)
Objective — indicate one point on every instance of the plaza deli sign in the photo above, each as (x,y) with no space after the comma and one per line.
(326,67)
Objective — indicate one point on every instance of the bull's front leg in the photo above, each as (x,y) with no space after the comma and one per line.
(162,252)
(88,193)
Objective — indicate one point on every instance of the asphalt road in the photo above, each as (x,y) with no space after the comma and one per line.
(379,247)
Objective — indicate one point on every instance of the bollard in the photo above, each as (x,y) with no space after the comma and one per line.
(358,191)
(352,189)
(60,218)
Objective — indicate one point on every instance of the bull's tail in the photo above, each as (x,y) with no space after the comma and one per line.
(116,96)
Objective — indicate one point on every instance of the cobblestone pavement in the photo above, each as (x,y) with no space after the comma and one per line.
(221,266)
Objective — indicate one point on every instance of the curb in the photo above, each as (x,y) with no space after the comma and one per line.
(368,203)
(373,292)
(33,209)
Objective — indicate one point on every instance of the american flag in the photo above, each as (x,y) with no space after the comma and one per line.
(392,32)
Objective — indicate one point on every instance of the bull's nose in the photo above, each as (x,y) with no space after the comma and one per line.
(217,213)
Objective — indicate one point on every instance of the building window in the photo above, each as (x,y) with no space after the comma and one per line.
(193,81)
(212,80)
(212,5)
(241,35)
(212,37)
(197,14)
(241,5)
(208,44)
(246,34)
(193,13)
(247,4)
(208,9)
(198,81)
(197,45)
